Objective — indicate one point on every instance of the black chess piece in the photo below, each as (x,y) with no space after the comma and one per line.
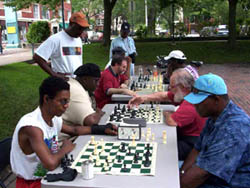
(129,150)
(145,85)
(124,108)
(133,114)
(111,118)
(148,146)
(72,159)
(147,162)
(115,110)
(123,149)
(125,168)
(152,105)
(119,106)
(119,159)
(136,157)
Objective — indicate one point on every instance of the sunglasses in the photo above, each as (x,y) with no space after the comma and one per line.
(197,91)
(64,101)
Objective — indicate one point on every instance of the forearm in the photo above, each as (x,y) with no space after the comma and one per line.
(43,64)
(190,160)
(169,120)
(126,82)
(92,119)
(112,91)
(193,177)
(158,96)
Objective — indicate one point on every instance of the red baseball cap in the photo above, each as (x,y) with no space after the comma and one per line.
(79,18)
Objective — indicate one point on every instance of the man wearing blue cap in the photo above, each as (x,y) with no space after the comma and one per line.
(221,156)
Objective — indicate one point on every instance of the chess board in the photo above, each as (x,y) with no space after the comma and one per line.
(116,167)
(152,114)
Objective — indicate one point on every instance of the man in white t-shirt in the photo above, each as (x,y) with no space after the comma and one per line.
(64,49)
(34,148)
(81,110)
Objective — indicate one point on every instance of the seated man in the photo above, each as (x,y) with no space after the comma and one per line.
(80,110)
(112,82)
(189,123)
(221,157)
(119,51)
(176,59)
(32,153)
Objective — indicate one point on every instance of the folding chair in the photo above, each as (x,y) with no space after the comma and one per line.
(5,146)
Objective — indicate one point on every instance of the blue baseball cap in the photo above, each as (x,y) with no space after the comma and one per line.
(204,86)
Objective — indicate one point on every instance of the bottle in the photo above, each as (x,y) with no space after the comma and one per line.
(54,145)
(155,71)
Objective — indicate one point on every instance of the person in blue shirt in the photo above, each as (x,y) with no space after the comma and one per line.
(127,43)
(221,156)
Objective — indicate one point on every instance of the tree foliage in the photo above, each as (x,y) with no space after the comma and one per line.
(38,32)
(20,4)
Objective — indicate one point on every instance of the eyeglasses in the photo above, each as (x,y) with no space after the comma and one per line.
(197,91)
(64,101)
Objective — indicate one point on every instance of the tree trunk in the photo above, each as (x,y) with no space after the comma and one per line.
(152,18)
(108,7)
(232,23)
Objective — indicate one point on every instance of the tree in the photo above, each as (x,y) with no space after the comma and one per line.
(38,32)
(20,4)
(108,7)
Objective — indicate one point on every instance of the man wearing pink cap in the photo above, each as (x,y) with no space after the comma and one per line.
(188,122)
(64,49)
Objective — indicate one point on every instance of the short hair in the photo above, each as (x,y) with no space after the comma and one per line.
(88,69)
(119,51)
(183,77)
(117,59)
(51,86)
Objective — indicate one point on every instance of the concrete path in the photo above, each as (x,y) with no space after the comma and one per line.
(15,55)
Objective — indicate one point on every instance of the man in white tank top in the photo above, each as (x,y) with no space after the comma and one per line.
(34,146)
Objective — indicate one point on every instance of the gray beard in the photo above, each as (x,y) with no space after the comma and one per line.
(179,96)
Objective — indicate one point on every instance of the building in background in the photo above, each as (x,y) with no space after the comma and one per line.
(14,24)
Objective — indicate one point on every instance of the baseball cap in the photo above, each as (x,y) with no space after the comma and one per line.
(118,50)
(79,18)
(88,69)
(177,54)
(192,71)
(204,86)
(125,27)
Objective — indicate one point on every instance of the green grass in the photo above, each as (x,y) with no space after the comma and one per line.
(208,52)
(18,93)
(20,81)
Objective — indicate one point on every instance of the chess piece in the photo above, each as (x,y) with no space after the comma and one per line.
(97,162)
(123,147)
(119,159)
(133,141)
(72,159)
(164,137)
(109,159)
(147,161)
(153,137)
(92,141)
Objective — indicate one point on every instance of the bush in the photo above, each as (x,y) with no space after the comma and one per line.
(38,32)
(141,32)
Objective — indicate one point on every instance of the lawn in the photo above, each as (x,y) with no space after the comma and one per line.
(208,52)
(20,81)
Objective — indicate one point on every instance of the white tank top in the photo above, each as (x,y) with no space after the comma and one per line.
(29,166)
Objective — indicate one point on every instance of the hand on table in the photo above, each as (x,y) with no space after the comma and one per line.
(111,131)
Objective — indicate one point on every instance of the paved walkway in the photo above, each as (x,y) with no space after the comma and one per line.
(14,55)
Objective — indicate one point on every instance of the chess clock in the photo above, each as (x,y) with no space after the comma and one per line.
(128,131)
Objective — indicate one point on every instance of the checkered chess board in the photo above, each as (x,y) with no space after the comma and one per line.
(152,115)
(119,158)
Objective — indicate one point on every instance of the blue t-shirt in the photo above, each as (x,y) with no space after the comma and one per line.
(224,149)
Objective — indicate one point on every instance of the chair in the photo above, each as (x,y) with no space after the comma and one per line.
(5,146)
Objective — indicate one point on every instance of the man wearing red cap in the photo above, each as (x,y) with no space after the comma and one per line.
(64,49)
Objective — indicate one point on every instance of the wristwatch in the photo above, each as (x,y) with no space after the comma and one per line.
(182,172)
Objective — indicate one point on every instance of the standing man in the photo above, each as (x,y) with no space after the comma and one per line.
(81,110)
(34,148)
(221,156)
(64,49)
(112,82)
(188,122)
(127,43)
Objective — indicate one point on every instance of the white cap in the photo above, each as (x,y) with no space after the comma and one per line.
(177,54)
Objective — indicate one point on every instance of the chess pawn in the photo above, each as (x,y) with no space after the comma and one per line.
(92,141)
(95,151)
(98,163)
(142,134)
(91,157)
(153,137)
(147,137)
(133,141)
(109,159)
